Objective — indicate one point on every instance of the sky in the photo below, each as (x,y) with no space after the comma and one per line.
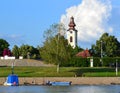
(24,21)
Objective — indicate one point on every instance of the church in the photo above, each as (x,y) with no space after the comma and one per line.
(72,39)
(72,33)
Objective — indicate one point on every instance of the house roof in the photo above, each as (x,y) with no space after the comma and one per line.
(84,54)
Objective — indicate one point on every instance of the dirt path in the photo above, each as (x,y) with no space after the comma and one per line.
(74,80)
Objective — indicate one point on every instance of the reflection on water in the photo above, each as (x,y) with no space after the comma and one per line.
(61,89)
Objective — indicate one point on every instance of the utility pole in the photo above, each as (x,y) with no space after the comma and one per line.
(101,49)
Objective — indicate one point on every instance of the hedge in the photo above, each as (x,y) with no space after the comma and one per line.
(97,62)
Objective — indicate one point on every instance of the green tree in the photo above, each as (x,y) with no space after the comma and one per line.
(3,44)
(15,51)
(55,51)
(35,54)
(28,51)
(55,48)
(107,45)
(75,50)
(24,50)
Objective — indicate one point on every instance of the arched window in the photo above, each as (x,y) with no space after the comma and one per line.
(71,39)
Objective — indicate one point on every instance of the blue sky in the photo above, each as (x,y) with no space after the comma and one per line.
(24,21)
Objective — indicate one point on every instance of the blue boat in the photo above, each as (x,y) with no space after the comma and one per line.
(58,83)
(12,80)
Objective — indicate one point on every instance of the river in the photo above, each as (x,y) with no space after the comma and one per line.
(61,89)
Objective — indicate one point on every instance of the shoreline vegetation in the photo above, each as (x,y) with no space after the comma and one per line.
(32,72)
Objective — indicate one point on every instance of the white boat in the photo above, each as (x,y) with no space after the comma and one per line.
(12,80)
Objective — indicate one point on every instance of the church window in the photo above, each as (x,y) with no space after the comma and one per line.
(71,39)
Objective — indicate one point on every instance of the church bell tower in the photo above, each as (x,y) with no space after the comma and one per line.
(72,33)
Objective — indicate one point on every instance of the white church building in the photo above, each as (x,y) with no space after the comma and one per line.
(72,33)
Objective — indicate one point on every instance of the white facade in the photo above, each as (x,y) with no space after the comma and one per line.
(72,33)
(72,38)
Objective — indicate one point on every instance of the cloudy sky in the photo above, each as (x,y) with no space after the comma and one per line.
(24,21)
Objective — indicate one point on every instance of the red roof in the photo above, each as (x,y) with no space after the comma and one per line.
(84,54)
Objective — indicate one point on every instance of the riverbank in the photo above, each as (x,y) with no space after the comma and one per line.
(74,80)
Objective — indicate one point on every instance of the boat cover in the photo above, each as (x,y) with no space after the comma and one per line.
(13,79)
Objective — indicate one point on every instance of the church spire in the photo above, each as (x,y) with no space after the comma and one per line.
(71,24)
(72,33)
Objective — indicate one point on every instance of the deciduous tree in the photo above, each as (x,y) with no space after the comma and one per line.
(55,48)
(108,45)
(15,51)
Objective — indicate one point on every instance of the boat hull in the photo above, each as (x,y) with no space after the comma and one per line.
(59,83)
(12,80)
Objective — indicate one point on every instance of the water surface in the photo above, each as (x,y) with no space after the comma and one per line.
(61,89)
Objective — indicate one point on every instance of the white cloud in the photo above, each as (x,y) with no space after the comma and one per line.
(91,17)
(110,29)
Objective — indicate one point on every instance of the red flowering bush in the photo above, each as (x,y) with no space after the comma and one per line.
(7,52)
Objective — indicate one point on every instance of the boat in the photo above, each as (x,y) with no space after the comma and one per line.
(58,83)
(12,80)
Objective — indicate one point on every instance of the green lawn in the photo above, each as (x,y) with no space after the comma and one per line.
(64,72)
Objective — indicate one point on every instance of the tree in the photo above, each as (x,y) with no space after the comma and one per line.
(3,45)
(23,50)
(7,52)
(15,51)
(55,51)
(55,48)
(76,50)
(34,52)
(107,45)
(28,51)
(55,29)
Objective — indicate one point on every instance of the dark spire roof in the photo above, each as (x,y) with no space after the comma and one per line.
(71,24)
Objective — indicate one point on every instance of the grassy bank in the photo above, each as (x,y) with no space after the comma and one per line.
(64,72)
